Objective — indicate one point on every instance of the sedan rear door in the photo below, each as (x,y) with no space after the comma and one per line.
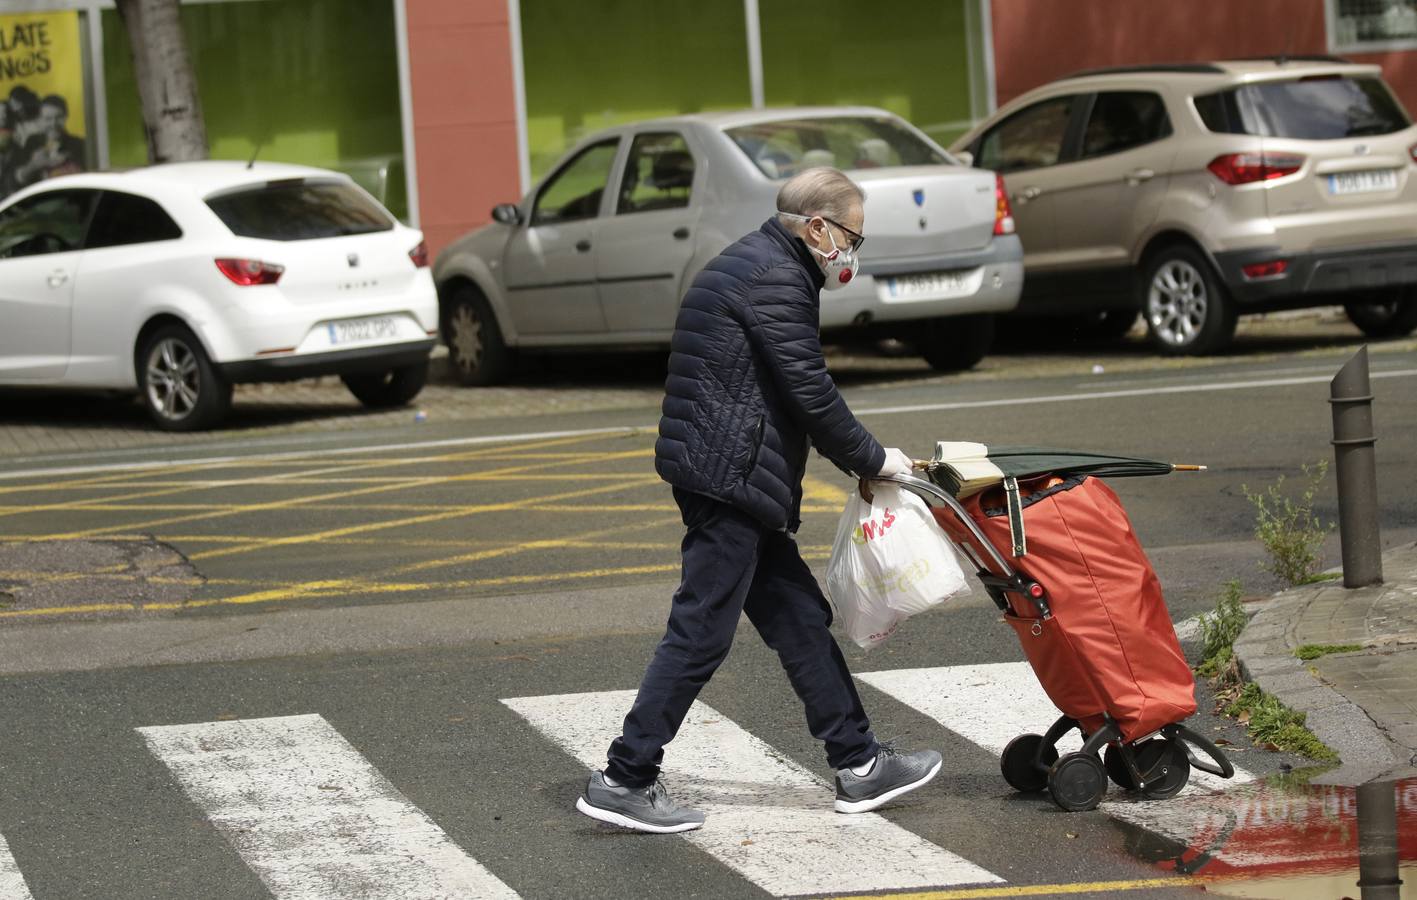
(643,249)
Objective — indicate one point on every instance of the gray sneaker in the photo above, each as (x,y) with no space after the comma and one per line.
(893,774)
(644,809)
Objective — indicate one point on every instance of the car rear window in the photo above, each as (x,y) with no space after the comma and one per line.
(1321,108)
(783,148)
(299,210)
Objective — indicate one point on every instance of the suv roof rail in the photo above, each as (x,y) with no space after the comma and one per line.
(1189,68)
(1283,58)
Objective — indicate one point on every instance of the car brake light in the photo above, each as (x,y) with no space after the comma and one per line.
(1003,215)
(1266,269)
(248,272)
(1247,168)
(419,255)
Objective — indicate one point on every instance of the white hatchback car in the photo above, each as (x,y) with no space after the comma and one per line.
(180,280)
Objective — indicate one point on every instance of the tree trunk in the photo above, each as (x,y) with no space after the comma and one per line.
(167,86)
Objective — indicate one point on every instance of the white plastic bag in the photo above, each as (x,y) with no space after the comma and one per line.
(890,561)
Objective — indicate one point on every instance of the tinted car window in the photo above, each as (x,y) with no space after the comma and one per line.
(299,210)
(1029,139)
(782,149)
(1317,108)
(128,219)
(51,222)
(1121,120)
(575,191)
(658,175)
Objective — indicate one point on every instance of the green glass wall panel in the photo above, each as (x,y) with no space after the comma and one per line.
(911,57)
(593,63)
(313,82)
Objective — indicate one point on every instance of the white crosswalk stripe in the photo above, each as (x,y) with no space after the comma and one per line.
(12,883)
(991,704)
(769,819)
(311,816)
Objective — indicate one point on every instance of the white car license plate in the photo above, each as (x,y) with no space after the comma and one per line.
(958,283)
(1363,182)
(358,331)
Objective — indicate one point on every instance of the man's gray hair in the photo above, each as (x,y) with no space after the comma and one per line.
(821,191)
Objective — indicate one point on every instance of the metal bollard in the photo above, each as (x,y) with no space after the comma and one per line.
(1355,463)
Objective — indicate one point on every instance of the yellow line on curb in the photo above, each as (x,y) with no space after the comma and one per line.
(1038,890)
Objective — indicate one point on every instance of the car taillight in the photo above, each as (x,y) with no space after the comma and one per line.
(1003,215)
(247,272)
(419,255)
(1247,168)
(1269,269)
(1412,152)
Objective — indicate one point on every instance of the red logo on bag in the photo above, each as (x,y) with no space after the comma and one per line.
(870,530)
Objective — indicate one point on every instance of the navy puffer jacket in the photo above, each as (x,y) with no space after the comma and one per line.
(748,387)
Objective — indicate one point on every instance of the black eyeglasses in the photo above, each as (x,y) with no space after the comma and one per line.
(857,238)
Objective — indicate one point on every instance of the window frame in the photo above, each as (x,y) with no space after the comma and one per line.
(1335,46)
(1072,131)
(1091,107)
(624,169)
(88,217)
(616,164)
(93,218)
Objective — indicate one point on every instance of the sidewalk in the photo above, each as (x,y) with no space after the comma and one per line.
(1363,704)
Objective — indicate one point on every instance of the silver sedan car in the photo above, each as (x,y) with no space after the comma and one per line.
(600,252)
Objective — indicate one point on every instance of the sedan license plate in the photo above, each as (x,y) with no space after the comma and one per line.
(958,283)
(357,331)
(1365,182)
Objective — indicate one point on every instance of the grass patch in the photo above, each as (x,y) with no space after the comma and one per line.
(1219,629)
(1288,528)
(1273,725)
(1314,651)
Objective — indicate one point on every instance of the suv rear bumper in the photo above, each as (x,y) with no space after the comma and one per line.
(344,362)
(1321,272)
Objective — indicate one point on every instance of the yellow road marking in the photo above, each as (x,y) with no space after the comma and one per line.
(815,489)
(89,607)
(1039,890)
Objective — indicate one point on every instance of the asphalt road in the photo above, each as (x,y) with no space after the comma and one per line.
(403,583)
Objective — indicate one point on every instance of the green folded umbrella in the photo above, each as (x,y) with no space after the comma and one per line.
(964,467)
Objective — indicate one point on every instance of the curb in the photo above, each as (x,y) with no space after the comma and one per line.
(1265,651)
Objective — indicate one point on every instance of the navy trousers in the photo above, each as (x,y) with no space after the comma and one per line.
(733,564)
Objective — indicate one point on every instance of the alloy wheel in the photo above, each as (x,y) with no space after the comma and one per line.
(1177,303)
(173,379)
(466,337)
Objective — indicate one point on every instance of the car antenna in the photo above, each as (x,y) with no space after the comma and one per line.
(254,152)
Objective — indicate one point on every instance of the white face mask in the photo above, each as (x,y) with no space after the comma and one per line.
(840,265)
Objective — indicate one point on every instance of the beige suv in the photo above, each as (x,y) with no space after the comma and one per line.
(1197,193)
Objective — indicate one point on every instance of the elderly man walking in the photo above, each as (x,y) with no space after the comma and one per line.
(747,395)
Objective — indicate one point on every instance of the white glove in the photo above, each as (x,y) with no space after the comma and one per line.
(897,463)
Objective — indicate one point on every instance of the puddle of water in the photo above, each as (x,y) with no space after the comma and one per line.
(1287,839)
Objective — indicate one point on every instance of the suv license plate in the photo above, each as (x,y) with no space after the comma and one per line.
(1363,182)
(354,331)
(959,283)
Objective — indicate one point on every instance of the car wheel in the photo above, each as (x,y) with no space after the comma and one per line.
(475,346)
(385,390)
(1394,316)
(179,386)
(1187,311)
(957,343)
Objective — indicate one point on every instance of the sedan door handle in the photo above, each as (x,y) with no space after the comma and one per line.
(1137,176)
(58,278)
(583,245)
(1027,194)
(681,233)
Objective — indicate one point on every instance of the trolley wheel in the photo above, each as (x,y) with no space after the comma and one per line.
(1016,762)
(1077,782)
(1117,769)
(1165,767)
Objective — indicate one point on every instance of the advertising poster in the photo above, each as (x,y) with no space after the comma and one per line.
(43,128)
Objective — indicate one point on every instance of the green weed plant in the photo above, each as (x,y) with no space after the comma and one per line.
(1288,528)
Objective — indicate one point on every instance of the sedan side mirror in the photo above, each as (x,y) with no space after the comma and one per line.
(507,214)
(964,156)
